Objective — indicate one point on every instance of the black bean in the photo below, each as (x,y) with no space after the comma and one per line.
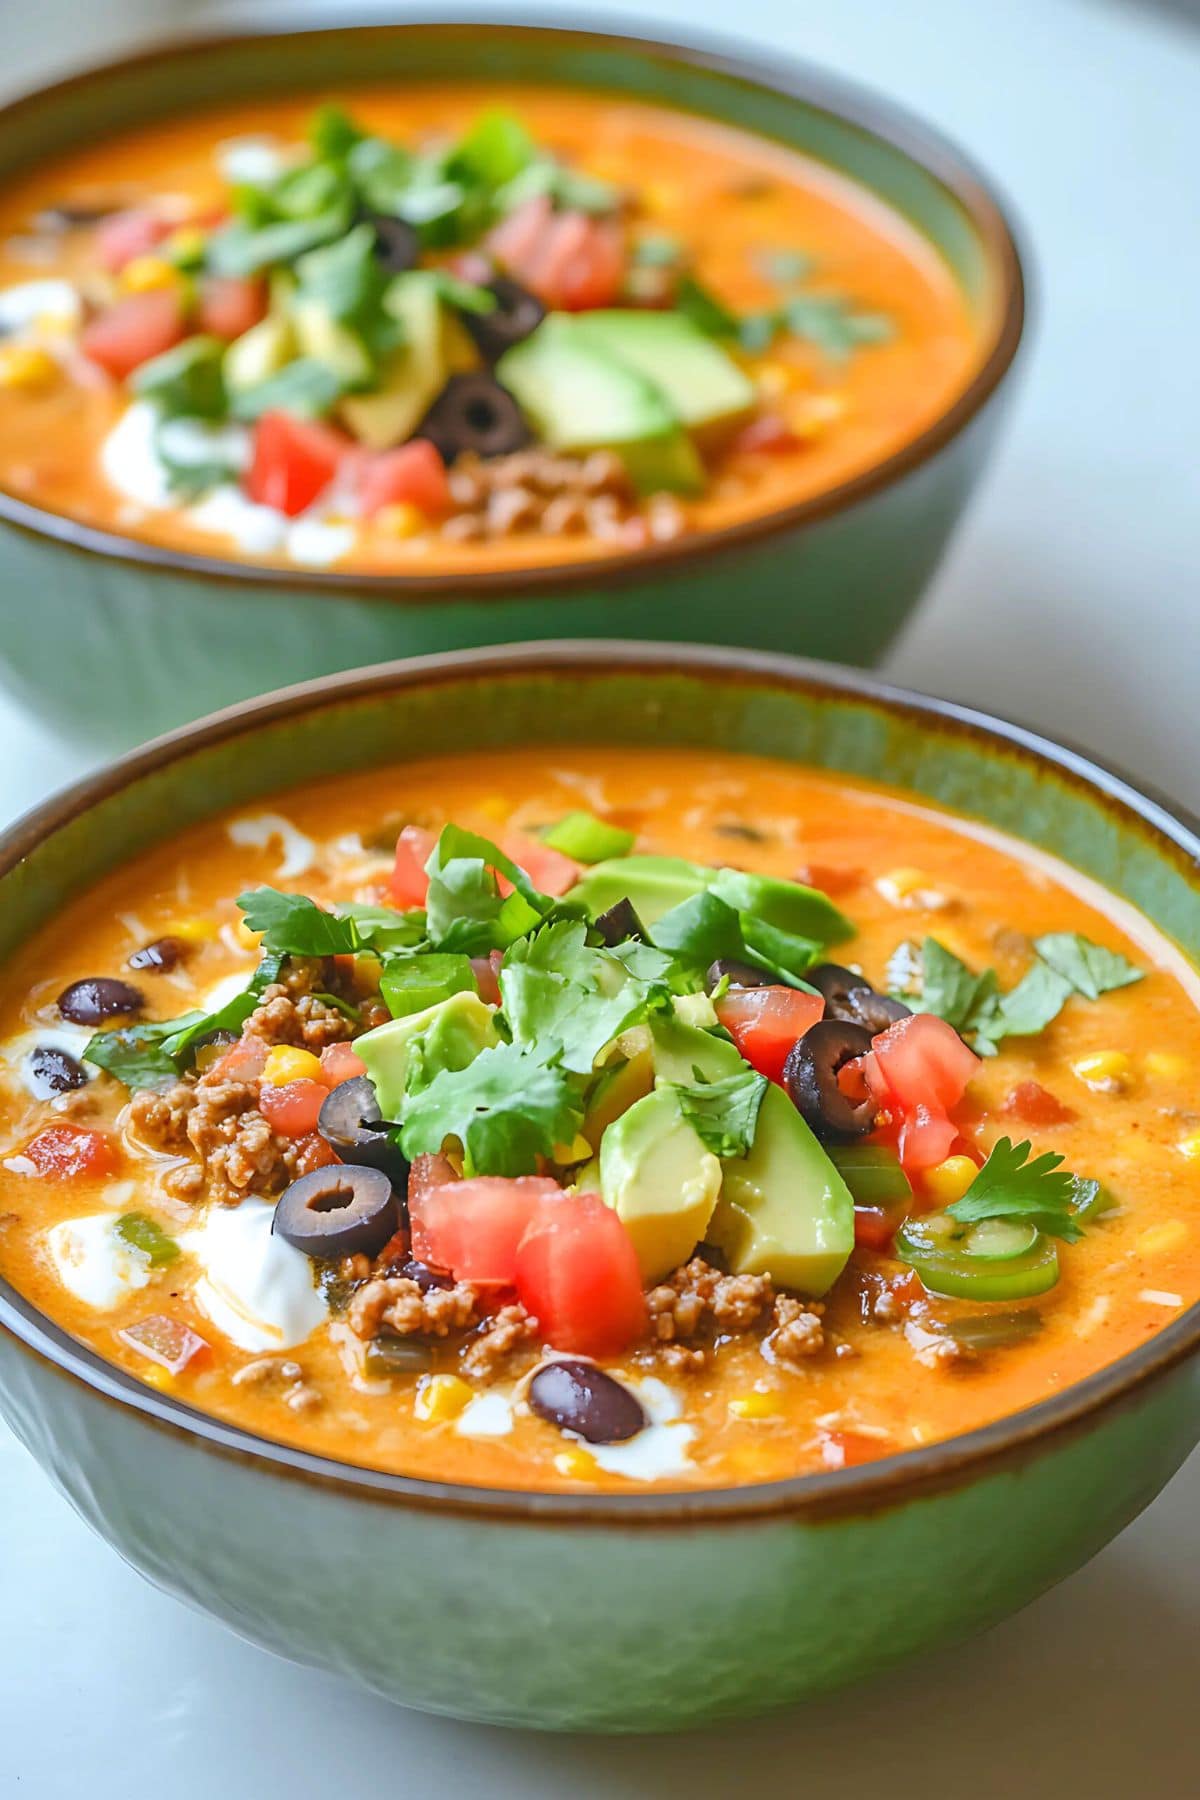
(474,413)
(52,1071)
(160,957)
(397,1356)
(810,1077)
(619,922)
(338,1211)
(98,997)
(579,1397)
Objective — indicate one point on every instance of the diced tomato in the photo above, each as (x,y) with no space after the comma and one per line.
(62,1152)
(570,260)
(314,1153)
(134,330)
(426,1174)
(1033,1104)
(292,1108)
(231,304)
(166,1341)
(876,1226)
(549,870)
(765,1022)
(577,1272)
(340,1062)
(413,474)
(294,460)
(243,1061)
(409,882)
(847,1449)
(472,1228)
(767,435)
(486,970)
(918,1069)
(124,235)
(830,879)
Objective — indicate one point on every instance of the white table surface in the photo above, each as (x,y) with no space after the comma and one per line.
(1070,599)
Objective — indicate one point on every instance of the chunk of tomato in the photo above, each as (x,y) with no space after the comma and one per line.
(409,882)
(765,1022)
(65,1152)
(848,1449)
(293,461)
(1033,1104)
(340,1062)
(231,304)
(413,474)
(577,1272)
(472,1229)
(918,1070)
(549,870)
(123,235)
(292,1108)
(135,329)
(570,260)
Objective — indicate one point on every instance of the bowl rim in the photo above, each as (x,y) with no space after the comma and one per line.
(855,104)
(949,1463)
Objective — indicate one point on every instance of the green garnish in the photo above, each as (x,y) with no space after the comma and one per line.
(588,839)
(508,1108)
(145,1234)
(558,990)
(706,929)
(1064,964)
(294,925)
(153,1052)
(657,251)
(828,321)
(410,984)
(1012,1185)
(185,382)
(724,1114)
(465,909)
(307,388)
(785,266)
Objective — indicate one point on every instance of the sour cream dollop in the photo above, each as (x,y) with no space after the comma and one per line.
(255,1288)
(94,1262)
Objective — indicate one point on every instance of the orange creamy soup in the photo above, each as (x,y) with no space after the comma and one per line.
(932,1237)
(442,330)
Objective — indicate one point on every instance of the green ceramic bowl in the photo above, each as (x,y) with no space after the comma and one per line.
(616,1613)
(117,640)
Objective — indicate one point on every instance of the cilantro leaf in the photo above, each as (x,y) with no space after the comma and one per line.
(557,989)
(245,249)
(507,1109)
(155,1051)
(1037,999)
(465,909)
(1011,1185)
(1091,969)
(704,929)
(724,1114)
(297,926)
(306,387)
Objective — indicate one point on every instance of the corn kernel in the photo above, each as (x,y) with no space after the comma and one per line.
(194,931)
(949,1180)
(911,887)
(1190,1147)
(441,1397)
(286,1063)
(157,1378)
(811,415)
(403,520)
(754,1405)
(1105,1071)
(1159,1239)
(26,366)
(249,940)
(186,245)
(576,1463)
(1168,1064)
(145,273)
(774,379)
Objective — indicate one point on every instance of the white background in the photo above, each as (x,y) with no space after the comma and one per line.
(1069,599)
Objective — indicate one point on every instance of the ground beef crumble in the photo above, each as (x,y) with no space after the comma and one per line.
(699,1304)
(396,1304)
(500,1339)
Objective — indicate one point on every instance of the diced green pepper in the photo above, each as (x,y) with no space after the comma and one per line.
(410,984)
(996,1259)
(588,839)
(145,1234)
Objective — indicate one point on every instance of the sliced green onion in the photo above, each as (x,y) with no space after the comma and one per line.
(409,984)
(588,839)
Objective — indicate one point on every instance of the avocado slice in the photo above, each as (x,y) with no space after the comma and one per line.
(412,374)
(615,1092)
(580,398)
(783,1210)
(328,341)
(705,388)
(788,905)
(660,1180)
(452,1034)
(652,884)
(259,353)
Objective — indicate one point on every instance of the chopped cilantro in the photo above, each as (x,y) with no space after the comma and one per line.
(465,909)
(296,926)
(1064,964)
(1012,1185)
(559,990)
(724,1114)
(508,1108)
(154,1051)
(1090,968)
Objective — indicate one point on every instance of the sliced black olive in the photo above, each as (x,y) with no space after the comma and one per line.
(474,413)
(619,922)
(160,957)
(397,246)
(850,997)
(810,1077)
(516,314)
(579,1397)
(98,997)
(738,974)
(52,1071)
(351,1123)
(737,828)
(388,1355)
(338,1211)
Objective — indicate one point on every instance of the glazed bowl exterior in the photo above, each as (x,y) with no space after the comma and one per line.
(115,640)
(608,1612)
